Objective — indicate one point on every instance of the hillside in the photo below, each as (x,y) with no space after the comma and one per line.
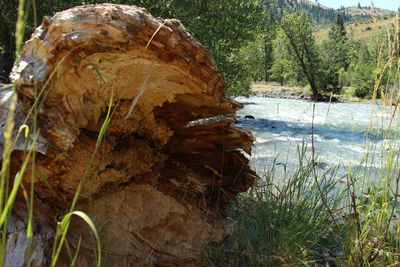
(322,14)
(358,30)
(362,22)
(319,13)
(366,12)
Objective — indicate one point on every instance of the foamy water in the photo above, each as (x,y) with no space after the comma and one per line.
(344,133)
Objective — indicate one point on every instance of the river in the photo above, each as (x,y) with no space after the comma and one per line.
(344,133)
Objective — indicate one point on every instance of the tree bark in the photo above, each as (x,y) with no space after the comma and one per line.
(170,159)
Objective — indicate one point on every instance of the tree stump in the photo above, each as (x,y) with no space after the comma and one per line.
(170,159)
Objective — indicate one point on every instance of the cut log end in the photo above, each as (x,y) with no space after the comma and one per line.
(164,170)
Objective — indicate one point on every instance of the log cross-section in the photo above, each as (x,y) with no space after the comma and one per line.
(170,159)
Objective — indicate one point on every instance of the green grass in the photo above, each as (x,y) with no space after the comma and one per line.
(284,225)
(313,218)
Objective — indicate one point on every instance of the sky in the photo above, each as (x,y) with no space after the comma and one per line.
(387,4)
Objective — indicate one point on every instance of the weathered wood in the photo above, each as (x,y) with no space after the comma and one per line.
(164,171)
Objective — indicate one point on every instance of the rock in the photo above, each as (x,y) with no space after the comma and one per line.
(163,173)
(321,165)
(249,117)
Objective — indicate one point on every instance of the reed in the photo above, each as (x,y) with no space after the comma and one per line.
(372,233)
(9,190)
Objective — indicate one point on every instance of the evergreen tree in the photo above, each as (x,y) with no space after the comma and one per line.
(362,70)
(335,51)
(338,32)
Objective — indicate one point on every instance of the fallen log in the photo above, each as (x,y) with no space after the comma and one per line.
(170,159)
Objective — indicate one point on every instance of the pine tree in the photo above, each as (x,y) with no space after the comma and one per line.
(362,72)
(336,51)
(338,31)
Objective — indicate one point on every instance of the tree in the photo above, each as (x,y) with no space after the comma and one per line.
(253,58)
(301,45)
(233,24)
(335,51)
(362,70)
(282,68)
(268,57)
(269,35)
(338,32)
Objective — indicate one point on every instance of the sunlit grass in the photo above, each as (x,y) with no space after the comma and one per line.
(285,224)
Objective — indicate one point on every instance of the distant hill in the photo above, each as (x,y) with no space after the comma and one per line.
(367,12)
(360,29)
(322,14)
(319,13)
(314,3)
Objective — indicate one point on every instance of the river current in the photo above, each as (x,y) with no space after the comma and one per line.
(344,133)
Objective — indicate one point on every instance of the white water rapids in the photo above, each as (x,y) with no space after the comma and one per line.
(344,133)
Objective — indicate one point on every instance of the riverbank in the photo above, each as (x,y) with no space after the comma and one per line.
(272,90)
(304,213)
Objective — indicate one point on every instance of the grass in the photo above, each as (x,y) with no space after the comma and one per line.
(283,225)
(312,219)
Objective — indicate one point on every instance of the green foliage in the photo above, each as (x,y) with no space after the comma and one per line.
(270,33)
(362,73)
(300,44)
(335,52)
(283,68)
(337,31)
(224,27)
(252,57)
(343,78)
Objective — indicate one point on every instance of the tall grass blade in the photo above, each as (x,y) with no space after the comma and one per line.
(62,230)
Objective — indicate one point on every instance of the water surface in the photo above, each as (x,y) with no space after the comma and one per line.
(344,133)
